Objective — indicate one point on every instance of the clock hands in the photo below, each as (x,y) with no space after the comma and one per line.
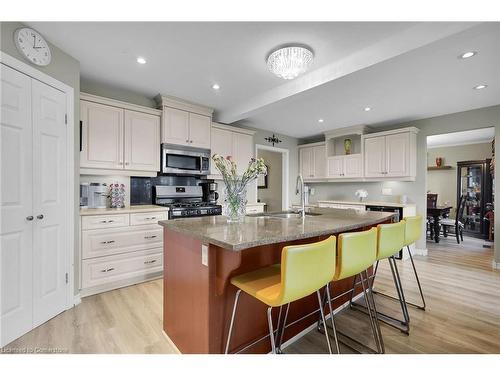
(34,43)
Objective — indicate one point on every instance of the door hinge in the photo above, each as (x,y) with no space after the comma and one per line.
(67,279)
(66,119)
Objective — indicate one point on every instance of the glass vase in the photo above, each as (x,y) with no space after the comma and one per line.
(235,203)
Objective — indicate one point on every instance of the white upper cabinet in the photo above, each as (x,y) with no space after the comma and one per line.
(142,140)
(118,137)
(234,142)
(199,130)
(345,166)
(102,136)
(175,126)
(336,166)
(312,161)
(391,154)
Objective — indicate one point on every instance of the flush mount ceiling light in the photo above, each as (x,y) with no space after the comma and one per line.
(321,120)
(141,60)
(480,87)
(367,109)
(466,55)
(290,61)
(215,86)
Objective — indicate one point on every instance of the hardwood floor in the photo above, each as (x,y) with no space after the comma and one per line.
(461,289)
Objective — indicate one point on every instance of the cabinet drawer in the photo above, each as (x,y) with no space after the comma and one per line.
(105,221)
(98,243)
(254,209)
(120,267)
(147,217)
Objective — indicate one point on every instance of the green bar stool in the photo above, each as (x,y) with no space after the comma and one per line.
(304,270)
(357,251)
(390,240)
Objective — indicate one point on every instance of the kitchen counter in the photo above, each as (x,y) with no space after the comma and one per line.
(258,230)
(125,210)
(367,203)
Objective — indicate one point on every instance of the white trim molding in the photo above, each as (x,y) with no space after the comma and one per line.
(421,252)
(496,265)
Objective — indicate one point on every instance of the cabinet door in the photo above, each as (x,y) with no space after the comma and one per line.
(397,153)
(199,130)
(102,136)
(336,166)
(142,141)
(222,144)
(319,157)
(353,166)
(306,162)
(375,157)
(175,127)
(243,150)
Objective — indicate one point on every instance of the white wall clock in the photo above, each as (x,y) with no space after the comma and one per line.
(32,46)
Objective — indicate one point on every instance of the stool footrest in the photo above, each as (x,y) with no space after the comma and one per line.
(384,318)
(420,307)
(343,342)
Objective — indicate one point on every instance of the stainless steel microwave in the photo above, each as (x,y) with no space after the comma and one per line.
(184,160)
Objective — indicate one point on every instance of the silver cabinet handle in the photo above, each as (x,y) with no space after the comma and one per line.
(149,237)
(29,218)
(107,221)
(150,218)
(191,141)
(107,242)
(127,163)
(107,270)
(39,217)
(150,261)
(187,140)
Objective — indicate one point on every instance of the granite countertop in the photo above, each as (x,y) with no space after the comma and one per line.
(125,210)
(368,203)
(257,230)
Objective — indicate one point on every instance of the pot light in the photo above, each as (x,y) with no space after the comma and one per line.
(480,87)
(141,60)
(466,55)
(367,109)
(215,86)
(288,62)
(321,120)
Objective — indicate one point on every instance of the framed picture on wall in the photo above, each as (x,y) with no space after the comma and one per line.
(262,180)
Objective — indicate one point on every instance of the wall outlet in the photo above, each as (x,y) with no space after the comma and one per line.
(204,255)
(386,191)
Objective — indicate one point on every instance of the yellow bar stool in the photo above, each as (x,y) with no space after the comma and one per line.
(390,240)
(304,269)
(357,251)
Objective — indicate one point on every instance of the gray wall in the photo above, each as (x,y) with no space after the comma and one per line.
(66,69)
(271,195)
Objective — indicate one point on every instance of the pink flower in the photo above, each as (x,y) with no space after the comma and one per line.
(229,157)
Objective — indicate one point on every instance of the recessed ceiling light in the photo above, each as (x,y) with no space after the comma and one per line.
(466,55)
(141,60)
(215,86)
(367,109)
(321,120)
(480,87)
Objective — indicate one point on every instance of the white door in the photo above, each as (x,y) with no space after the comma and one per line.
(199,130)
(375,157)
(306,162)
(335,166)
(102,136)
(319,156)
(397,155)
(353,165)
(222,144)
(175,127)
(16,206)
(243,150)
(50,204)
(142,141)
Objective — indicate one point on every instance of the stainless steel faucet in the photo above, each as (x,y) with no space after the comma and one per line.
(300,183)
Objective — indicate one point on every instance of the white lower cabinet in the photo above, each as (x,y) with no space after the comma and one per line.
(120,249)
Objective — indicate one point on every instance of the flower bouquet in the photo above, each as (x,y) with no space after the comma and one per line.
(236,185)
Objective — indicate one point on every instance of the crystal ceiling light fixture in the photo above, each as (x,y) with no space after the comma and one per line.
(289,61)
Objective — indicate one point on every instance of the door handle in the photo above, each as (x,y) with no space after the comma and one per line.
(39,217)
(29,218)
(149,237)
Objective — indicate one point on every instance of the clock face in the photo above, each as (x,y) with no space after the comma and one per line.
(32,45)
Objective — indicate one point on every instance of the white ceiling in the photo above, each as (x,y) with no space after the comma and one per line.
(404,71)
(468,137)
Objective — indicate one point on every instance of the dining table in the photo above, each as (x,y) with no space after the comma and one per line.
(436,213)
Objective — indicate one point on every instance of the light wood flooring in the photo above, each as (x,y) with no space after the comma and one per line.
(463,314)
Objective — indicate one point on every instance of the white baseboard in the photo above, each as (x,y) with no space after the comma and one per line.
(421,252)
(496,265)
(77,299)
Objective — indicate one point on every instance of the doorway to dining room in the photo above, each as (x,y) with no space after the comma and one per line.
(460,188)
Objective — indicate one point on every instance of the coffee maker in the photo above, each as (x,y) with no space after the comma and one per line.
(210,194)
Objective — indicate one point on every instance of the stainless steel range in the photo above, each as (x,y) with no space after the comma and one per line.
(185,201)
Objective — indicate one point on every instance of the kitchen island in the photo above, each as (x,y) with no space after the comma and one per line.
(202,254)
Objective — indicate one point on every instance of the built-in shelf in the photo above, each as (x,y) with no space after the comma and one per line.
(434,168)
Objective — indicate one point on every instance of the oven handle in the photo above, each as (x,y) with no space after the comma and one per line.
(201,164)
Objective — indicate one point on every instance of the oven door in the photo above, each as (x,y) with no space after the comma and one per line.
(181,161)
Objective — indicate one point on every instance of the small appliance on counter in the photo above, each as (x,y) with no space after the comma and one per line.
(98,195)
(210,193)
(84,194)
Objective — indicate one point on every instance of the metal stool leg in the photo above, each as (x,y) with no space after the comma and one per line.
(271,330)
(324,321)
(337,347)
(372,301)
(422,307)
(282,330)
(236,298)
(373,321)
